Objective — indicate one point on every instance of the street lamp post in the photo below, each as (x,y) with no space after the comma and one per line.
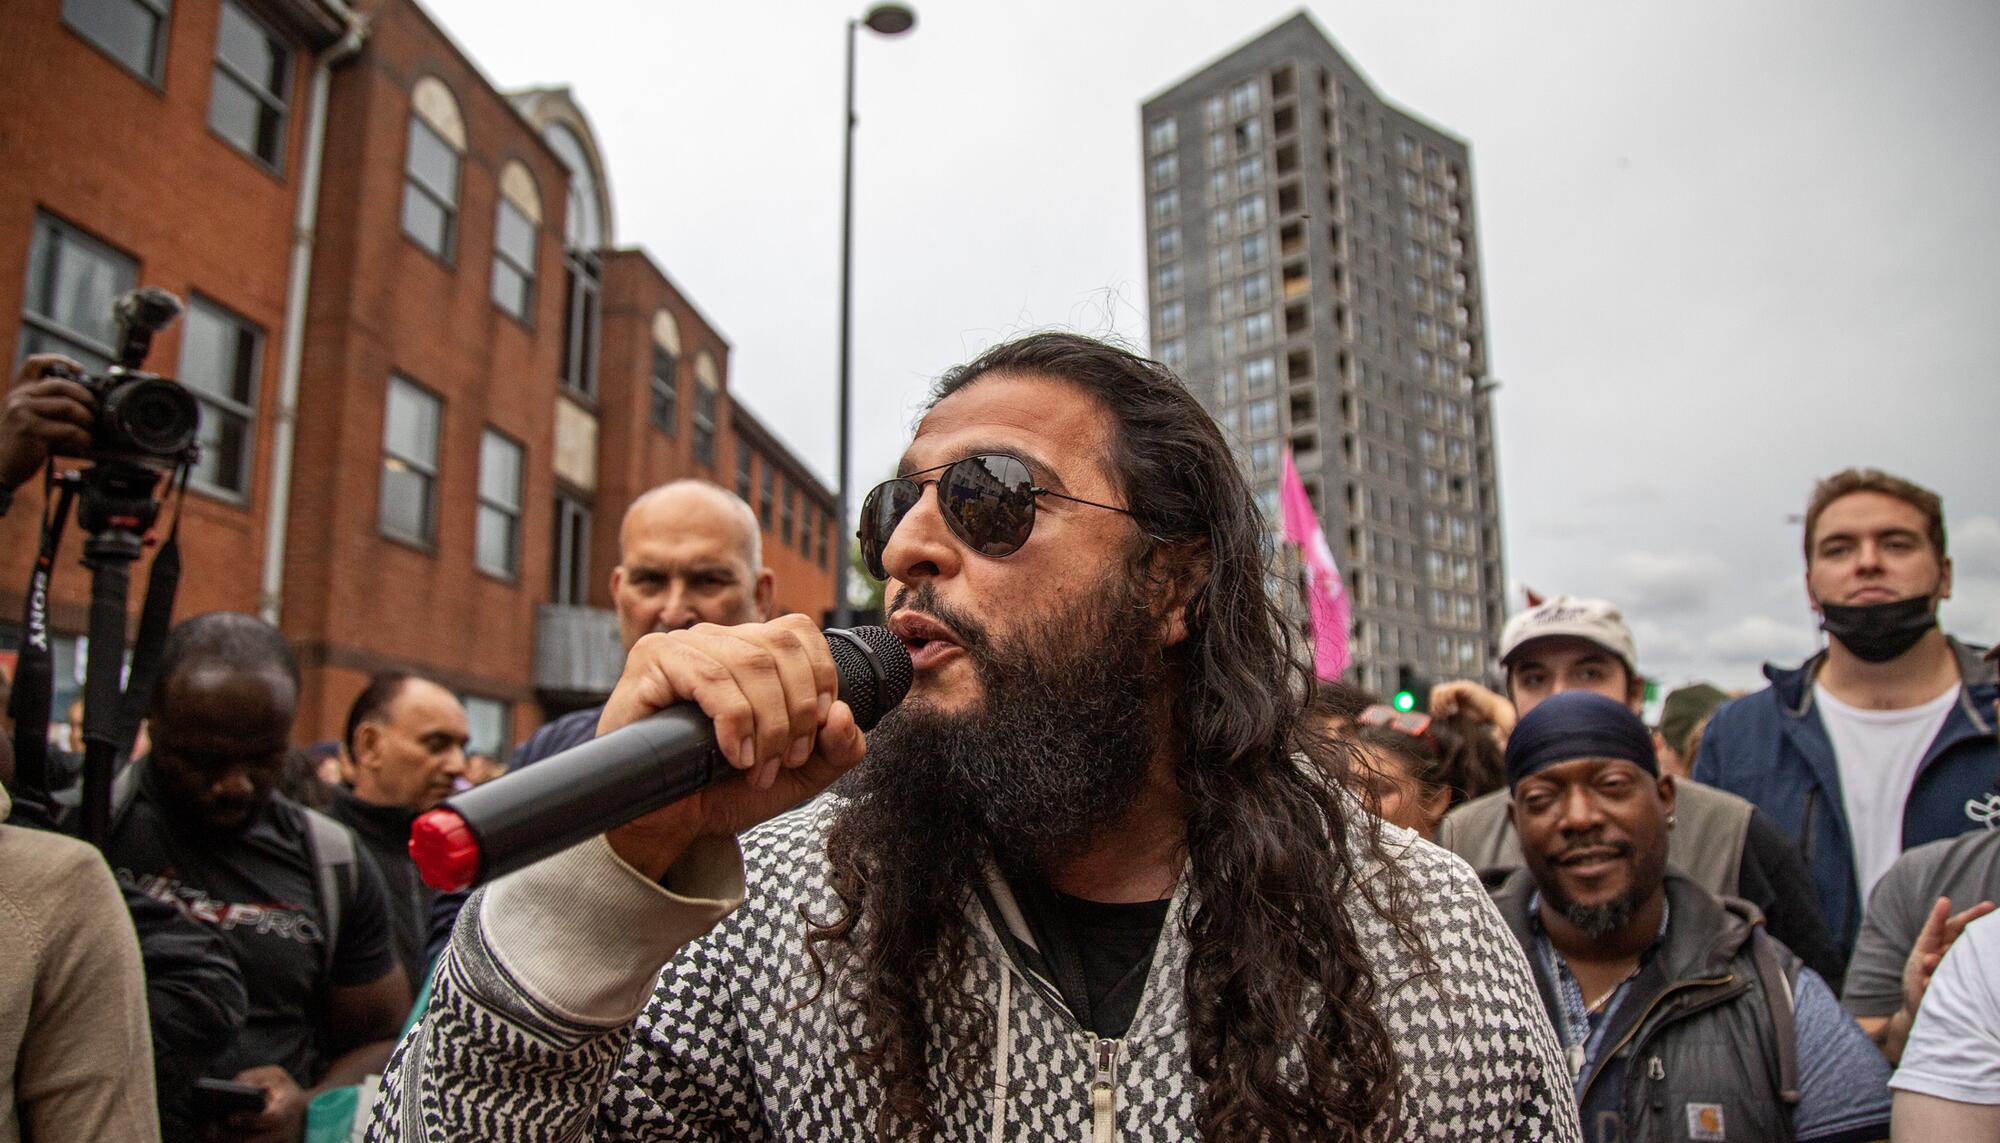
(887,19)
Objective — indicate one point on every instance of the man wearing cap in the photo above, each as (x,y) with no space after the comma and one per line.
(1883,740)
(1567,644)
(1684,711)
(1680,1016)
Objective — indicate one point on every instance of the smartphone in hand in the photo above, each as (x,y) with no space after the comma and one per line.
(215,1100)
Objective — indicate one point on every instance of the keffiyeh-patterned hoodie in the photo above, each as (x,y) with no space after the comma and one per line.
(553,1018)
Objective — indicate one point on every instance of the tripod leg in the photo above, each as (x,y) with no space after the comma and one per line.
(110,582)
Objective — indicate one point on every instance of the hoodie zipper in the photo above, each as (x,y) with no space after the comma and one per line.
(1585,1084)
(1104,1094)
(1806,825)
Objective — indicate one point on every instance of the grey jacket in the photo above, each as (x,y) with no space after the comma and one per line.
(532,1035)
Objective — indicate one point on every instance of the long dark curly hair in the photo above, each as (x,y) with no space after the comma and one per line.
(1282,1027)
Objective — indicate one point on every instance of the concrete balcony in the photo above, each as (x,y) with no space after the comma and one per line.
(577,652)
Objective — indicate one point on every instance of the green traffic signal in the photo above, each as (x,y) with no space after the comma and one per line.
(1405,701)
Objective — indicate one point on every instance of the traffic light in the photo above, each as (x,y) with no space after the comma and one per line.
(1412,691)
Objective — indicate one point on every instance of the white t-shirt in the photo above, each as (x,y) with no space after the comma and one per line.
(1954,1048)
(1877,752)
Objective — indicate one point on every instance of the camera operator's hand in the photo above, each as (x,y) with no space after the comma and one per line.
(770,689)
(43,414)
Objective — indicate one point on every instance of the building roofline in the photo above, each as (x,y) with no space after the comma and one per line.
(556,104)
(645,255)
(742,418)
(320,23)
(1214,63)
(472,65)
(1304,18)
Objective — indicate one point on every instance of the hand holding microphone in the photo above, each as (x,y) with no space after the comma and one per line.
(710,730)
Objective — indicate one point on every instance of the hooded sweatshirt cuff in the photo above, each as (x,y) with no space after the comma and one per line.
(585,934)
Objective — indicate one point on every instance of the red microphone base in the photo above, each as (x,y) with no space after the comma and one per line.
(444,849)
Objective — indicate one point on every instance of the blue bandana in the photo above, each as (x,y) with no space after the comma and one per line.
(1573,725)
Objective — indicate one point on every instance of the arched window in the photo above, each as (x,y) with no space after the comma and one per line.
(666,380)
(515,232)
(708,380)
(430,169)
(583,238)
(585,225)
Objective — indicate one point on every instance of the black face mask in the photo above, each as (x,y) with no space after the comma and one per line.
(1879,632)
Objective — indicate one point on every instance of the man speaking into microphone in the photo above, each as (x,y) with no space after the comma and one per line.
(1079,884)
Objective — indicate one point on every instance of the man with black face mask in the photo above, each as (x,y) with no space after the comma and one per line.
(1881,741)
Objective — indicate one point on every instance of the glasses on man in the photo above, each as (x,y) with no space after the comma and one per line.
(987,500)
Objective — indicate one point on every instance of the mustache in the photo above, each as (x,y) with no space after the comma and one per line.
(924,598)
(1576,848)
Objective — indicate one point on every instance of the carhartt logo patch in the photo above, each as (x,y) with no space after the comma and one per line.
(1705,1122)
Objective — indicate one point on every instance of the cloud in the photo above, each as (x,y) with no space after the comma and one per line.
(1973,611)
(1661,646)
(1975,547)
(1757,639)
(1668,582)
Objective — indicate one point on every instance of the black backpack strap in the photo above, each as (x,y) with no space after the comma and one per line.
(1779,1000)
(334,873)
(124,791)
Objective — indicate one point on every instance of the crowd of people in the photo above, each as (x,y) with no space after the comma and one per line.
(1118,867)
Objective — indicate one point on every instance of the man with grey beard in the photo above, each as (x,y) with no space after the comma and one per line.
(1680,1016)
(1079,884)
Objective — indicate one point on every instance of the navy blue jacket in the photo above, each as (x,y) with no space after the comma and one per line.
(573,729)
(1771,748)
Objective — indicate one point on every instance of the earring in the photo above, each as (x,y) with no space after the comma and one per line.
(1670,821)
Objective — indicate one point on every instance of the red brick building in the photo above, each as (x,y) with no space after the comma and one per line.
(430,382)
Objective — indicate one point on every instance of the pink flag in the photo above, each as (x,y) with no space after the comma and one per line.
(1324,588)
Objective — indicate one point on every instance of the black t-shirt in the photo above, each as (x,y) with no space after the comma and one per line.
(260,890)
(385,832)
(552,738)
(1773,877)
(1096,952)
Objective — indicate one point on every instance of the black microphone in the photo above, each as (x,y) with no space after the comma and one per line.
(542,809)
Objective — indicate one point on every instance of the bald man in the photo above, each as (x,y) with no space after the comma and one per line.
(688,552)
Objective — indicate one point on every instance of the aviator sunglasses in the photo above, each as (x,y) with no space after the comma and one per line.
(987,499)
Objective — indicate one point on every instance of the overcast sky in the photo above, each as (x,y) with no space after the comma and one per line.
(1728,247)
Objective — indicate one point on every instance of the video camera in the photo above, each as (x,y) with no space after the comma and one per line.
(142,418)
(144,435)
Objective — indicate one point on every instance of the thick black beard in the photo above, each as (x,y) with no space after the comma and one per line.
(1056,749)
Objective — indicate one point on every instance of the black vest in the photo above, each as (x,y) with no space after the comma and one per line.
(1693,1051)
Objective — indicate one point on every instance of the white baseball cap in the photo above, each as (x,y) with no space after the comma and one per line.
(1593,620)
